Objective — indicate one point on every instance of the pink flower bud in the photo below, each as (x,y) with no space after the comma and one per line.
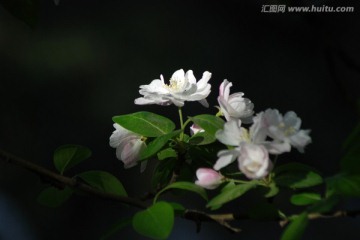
(208,178)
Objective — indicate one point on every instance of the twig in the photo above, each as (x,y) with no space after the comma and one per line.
(197,216)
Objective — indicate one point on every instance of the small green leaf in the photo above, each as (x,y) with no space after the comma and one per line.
(296,228)
(157,144)
(167,153)
(54,197)
(344,184)
(209,123)
(306,198)
(230,194)
(145,123)
(103,181)
(155,222)
(296,175)
(116,227)
(273,190)
(67,156)
(184,186)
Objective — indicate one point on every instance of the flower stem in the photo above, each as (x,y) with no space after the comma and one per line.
(181,125)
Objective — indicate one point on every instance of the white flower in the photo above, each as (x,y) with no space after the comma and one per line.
(234,106)
(194,129)
(128,145)
(286,130)
(208,178)
(182,87)
(254,161)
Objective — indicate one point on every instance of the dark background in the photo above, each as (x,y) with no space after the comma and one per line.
(65,74)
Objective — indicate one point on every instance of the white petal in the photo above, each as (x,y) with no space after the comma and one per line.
(225,158)
(300,140)
(190,77)
(231,134)
(202,83)
(277,147)
(291,120)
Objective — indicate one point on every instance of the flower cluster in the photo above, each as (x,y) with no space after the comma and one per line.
(270,132)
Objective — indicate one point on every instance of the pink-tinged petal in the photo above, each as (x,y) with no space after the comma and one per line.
(118,135)
(208,178)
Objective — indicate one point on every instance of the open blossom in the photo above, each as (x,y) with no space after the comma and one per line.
(128,145)
(286,129)
(234,106)
(254,161)
(182,87)
(208,178)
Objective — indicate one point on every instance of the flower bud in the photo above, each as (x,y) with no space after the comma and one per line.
(208,178)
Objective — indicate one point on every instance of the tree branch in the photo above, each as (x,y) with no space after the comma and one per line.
(197,216)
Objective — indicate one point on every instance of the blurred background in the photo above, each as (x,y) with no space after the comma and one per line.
(66,70)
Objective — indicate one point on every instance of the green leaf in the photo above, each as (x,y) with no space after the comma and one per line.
(324,205)
(264,211)
(54,197)
(67,156)
(273,190)
(296,228)
(229,194)
(306,198)
(353,138)
(155,222)
(184,186)
(209,123)
(157,144)
(116,227)
(163,173)
(167,153)
(296,175)
(344,184)
(202,138)
(178,208)
(145,123)
(103,181)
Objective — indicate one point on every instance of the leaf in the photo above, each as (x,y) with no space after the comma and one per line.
(54,197)
(202,138)
(344,184)
(163,173)
(296,228)
(167,153)
(229,194)
(306,198)
(184,186)
(178,208)
(67,156)
(324,205)
(209,123)
(353,138)
(155,222)
(273,190)
(116,227)
(145,123)
(157,144)
(103,181)
(296,175)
